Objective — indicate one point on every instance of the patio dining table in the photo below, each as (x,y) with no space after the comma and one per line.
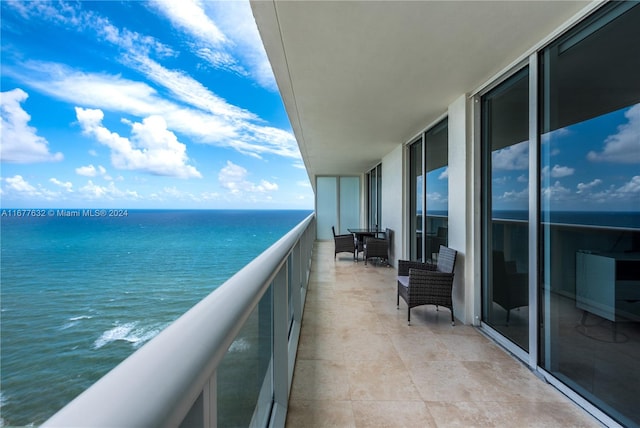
(362,233)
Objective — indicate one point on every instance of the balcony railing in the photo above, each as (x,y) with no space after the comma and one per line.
(227,361)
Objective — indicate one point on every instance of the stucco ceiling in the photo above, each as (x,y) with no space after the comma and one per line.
(360,77)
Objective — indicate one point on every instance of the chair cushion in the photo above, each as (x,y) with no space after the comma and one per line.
(404,281)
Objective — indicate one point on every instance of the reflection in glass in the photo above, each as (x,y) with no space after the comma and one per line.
(245,375)
(505,124)
(590,211)
(437,188)
(374,195)
(415,200)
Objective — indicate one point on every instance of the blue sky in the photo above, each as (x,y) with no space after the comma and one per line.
(137,104)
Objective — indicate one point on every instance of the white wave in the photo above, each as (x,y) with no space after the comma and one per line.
(73,321)
(129,332)
(81,317)
(119,332)
(240,345)
(68,325)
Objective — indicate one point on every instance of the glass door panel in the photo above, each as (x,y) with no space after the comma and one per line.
(437,188)
(415,200)
(590,210)
(505,130)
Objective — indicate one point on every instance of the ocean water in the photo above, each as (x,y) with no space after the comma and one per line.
(80,294)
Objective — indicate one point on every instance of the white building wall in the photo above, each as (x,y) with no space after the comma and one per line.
(393,206)
(463,292)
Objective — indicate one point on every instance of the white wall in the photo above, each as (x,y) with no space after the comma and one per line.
(458,189)
(393,208)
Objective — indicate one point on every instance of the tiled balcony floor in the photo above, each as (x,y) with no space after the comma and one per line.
(360,365)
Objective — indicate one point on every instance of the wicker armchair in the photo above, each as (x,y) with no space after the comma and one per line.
(427,284)
(377,247)
(343,243)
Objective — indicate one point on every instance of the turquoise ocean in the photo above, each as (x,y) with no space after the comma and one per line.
(80,293)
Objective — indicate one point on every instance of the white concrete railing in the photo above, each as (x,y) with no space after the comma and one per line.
(171,380)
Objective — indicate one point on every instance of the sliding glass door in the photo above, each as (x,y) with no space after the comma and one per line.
(590,210)
(437,188)
(416,200)
(505,144)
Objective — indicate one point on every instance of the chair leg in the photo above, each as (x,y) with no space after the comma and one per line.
(408,316)
(453,322)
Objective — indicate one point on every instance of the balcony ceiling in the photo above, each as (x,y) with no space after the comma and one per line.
(360,77)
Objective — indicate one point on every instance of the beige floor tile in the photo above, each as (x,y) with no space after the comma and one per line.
(509,381)
(539,414)
(462,414)
(392,414)
(320,380)
(321,346)
(365,345)
(360,365)
(320,414)
(381,380)
(420,346)
(445,381)
(472,348)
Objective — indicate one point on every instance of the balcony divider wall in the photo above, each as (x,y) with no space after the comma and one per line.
(338,202)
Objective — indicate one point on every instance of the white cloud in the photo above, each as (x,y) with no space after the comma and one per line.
(624,146)
(558,171)
(236,20)
(188,90)
(556,192)
(189,16)
(515,195)
(444,175)
(67,185)
(209,119)
(632,186)
(92,171)
(586,187)
(93,191)
(87,171)
(224,34)
(20,142)
(515,157)
(436,197)
(234,178)
(152,147)
(18,186)
(626,193)
(208,41)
